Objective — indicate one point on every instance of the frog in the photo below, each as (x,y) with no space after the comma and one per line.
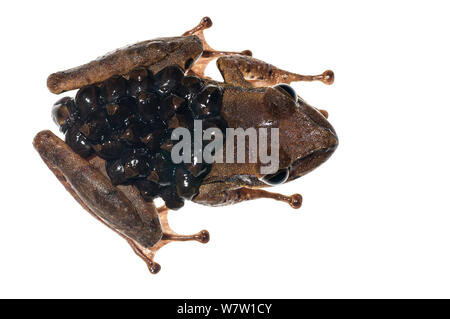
(253,93)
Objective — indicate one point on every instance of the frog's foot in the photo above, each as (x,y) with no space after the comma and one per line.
(148,254)
(169,235)
(244,194)
(209,53)
(248,71)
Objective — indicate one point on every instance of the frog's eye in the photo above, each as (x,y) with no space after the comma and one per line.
(287,89)
(277,178)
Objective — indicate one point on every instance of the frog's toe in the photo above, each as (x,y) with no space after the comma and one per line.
(169,235)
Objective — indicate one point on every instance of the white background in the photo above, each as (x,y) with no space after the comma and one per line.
(376,217)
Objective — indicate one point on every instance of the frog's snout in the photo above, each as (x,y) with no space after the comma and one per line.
(316,141)
(307,163)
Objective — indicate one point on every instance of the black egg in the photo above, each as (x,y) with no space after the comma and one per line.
(163,168)
(148,104)
(140,79)
(96,127)
(139,128)
(186,115)
(152,140)
(64,113)
(178,120)
(169,106)
(87,100)
(167,145)
(128,102)
(128,136)
(189,87)
(171,198)
(111,148)
(208,102)
(78,142)
(168,79)
(139,74)
(287,89)
(116,171)
(113,88)
(136,163)
(186,184)
(148,189)
(116,114)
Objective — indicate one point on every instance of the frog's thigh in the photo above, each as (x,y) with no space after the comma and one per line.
(247,71)
(95,192)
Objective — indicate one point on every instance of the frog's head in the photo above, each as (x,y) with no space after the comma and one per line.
(306,138)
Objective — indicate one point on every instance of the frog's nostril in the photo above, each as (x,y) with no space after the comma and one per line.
(277,178)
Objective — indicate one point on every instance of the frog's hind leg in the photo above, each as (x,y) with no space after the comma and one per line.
(148,254)
(248,71)
(208,52)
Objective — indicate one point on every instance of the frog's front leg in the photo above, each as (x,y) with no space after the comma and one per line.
(208,53)
(219,195)
(247,71)
(239,68)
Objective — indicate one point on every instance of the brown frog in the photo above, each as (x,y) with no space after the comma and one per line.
(254,94)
